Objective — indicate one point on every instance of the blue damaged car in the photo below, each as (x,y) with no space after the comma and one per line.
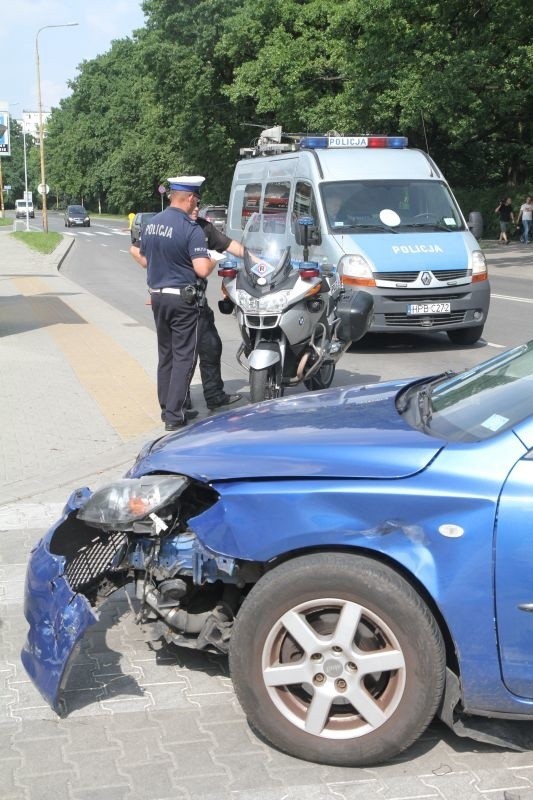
(361,554)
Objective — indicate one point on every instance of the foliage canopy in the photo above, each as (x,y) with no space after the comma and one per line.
(185,92)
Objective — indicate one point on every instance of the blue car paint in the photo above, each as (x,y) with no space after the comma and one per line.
(513,582)
(393,252)
(237,444)
(400,519)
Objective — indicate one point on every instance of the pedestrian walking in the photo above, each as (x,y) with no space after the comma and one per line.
(173,250)
(504,209)
(525,216)
(210,343)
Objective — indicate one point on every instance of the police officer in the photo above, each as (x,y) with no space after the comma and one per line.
(173,251)
(210,344)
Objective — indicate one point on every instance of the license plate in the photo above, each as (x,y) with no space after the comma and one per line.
(429,308)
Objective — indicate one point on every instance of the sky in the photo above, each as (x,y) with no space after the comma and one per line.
(61,50)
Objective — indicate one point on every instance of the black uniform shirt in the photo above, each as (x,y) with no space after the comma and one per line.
(216,240)
(170,241)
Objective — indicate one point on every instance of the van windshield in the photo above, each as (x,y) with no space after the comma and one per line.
(420,205)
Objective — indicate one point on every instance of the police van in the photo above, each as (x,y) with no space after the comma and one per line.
(383,216)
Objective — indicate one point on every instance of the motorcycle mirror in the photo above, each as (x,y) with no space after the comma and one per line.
(306,227)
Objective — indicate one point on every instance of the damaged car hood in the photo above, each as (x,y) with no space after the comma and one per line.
(353,432)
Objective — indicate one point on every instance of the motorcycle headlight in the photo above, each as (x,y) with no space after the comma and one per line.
(270,304)
(122,502)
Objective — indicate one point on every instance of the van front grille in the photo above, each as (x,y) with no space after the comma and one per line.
(411,276)
(424,320)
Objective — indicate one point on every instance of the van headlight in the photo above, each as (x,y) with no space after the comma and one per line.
(355,270)
(479,266)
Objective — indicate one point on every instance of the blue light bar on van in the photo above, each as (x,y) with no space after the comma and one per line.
(337,142)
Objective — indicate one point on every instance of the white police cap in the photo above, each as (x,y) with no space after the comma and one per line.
(186,183)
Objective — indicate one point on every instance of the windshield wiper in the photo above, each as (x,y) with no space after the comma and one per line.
(425,406)
(355,226)
(426,388)
(440,226)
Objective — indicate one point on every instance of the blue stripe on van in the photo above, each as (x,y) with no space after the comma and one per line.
(410,251)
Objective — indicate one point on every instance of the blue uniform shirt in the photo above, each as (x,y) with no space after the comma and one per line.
(170,241)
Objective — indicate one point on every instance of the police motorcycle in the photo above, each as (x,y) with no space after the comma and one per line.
(296,318)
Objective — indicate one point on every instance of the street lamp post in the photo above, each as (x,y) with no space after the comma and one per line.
(3,129)
(25,178)
(41,137)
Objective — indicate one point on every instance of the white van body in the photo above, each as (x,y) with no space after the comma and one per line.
(425,273)
(24,208)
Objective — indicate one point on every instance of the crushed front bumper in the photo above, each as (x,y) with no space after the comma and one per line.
(57,611)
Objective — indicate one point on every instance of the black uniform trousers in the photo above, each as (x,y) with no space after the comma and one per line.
(177,327)
(210,353)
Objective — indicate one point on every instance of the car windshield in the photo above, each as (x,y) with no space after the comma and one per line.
(76,210)
(417,205)
(216,213)
(476,404)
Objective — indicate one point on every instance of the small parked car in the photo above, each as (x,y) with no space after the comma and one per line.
(139,220)
(217,215)
(362,554)
(77,215)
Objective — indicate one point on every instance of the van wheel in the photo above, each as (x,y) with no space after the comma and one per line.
(336,659)
(465,335)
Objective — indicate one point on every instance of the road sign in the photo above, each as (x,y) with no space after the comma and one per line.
(43,188)
(5,146)
(162,189)
(7,188)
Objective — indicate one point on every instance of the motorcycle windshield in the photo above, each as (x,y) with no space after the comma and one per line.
(265,257)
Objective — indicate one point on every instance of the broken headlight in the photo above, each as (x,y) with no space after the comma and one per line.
(119,504)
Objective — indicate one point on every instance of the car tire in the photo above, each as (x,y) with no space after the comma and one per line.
(322,615)
(465,335)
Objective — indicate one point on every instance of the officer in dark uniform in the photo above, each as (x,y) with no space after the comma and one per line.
(173,250)
(210,344)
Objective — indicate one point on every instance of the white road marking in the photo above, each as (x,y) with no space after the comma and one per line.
(103,233)
(508,297)
(498,346)
(86,233)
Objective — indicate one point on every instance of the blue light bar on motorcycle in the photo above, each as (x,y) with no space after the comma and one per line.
(338,142)
(228,268)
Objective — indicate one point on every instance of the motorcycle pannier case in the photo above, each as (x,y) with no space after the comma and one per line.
(354,310)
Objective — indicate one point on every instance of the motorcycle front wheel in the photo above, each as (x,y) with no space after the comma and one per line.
(263,384)
(323,378)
